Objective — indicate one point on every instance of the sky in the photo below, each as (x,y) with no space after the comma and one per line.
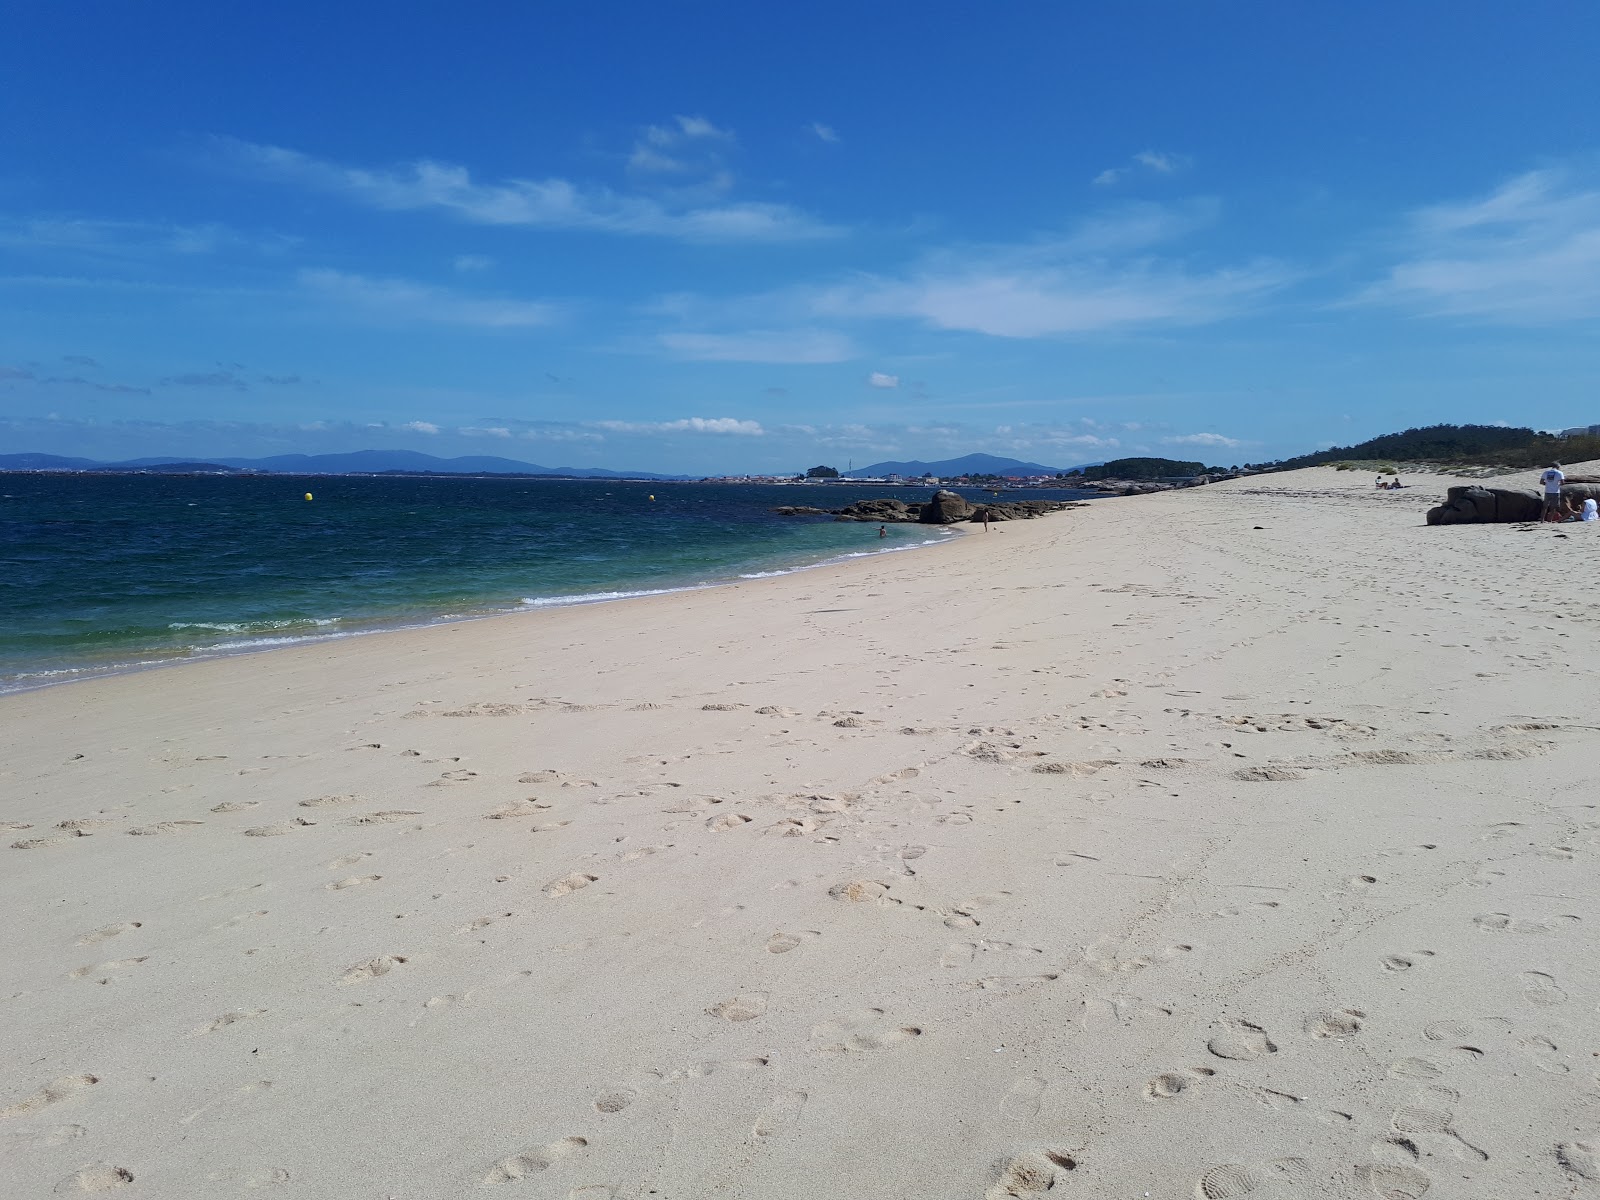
(721,237)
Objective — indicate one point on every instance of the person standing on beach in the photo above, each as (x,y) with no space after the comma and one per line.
(1552,479)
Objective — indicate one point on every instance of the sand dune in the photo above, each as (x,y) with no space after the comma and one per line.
(1231,842)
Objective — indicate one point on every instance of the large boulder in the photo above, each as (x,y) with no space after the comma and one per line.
(1480,505)
(882,511)
(946,508)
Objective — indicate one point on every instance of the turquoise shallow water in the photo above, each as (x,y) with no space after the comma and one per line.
(104,573)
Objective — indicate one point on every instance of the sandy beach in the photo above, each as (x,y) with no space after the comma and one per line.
(1224,842)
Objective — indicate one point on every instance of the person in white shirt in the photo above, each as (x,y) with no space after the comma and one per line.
(1591,511)
(1551,480)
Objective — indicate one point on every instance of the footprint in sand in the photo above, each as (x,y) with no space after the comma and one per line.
(1021,1102)
(340,885)
(1580,1160)
(109,931)
(741,1008)
(1030,1174)
(783,943)
(54,1092)
(1394,1181)
(1342,1024)
(1541,989)
(535,1160)
(278,830)
(1432,1116)
(372,968)
(615,1101)
(1171,1084)
(780,1116)
(870,1030)
(1241,1041)
(226,1019)
(1404,962)
(96,1177)
(1231,1179)
(1506,923)
(568,884)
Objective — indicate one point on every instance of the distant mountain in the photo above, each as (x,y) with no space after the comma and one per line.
(969,464)
(43,462)
(363,461)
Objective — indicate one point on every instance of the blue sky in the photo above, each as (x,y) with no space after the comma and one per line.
(719,237)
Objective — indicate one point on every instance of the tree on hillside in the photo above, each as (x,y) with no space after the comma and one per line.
(1145,468)
(823,473)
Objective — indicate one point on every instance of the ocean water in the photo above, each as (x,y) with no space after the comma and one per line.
(103,573)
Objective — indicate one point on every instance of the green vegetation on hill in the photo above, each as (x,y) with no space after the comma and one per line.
(1454,445)
(1144,468)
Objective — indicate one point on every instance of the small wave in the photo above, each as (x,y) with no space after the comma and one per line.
(600,597)
(255,626)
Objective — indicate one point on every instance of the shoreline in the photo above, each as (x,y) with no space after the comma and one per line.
(1152,849)
(269,643)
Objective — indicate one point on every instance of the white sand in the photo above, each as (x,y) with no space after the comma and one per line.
(1133,851)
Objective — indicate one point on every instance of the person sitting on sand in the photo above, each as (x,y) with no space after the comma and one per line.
(1591,511)
(1380,482)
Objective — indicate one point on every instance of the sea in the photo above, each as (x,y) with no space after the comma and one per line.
(110,573)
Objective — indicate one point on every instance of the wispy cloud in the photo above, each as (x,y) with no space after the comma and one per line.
(542,204)
(878,379)
(1528,253)
(716,425)
(1215,440)
(402,300)
(685,146)
(129,240)
(1146,162)
(761,346)
(427,427)
(206,379)
(825,133)
(1076,284)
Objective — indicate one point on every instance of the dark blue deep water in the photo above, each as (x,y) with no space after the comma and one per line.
(107,572)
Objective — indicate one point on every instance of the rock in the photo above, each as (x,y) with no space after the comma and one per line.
(1019,510)
(1474,505)
(882,511)
(802,510)
(946,508)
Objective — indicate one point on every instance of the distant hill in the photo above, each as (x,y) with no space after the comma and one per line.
(1456,445)
(969,464)
(362,461)
(43,462)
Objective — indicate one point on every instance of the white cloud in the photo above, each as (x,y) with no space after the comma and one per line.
(403,300)
(1097,277)
(761,346)
(471,262)
(420,427)
(535,203)
(1203,439)
(717,425)
(1526,254)
(1013,299)
(1158,161)
(495,431)
(826,133)
(879,380)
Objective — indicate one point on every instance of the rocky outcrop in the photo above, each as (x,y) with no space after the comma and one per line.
(946,508)
(882,511)
(1019,510)
(1474,505)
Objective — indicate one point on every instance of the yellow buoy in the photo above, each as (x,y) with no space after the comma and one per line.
(308,495)
(652,497)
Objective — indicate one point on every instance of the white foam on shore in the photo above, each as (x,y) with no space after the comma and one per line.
(24,681)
